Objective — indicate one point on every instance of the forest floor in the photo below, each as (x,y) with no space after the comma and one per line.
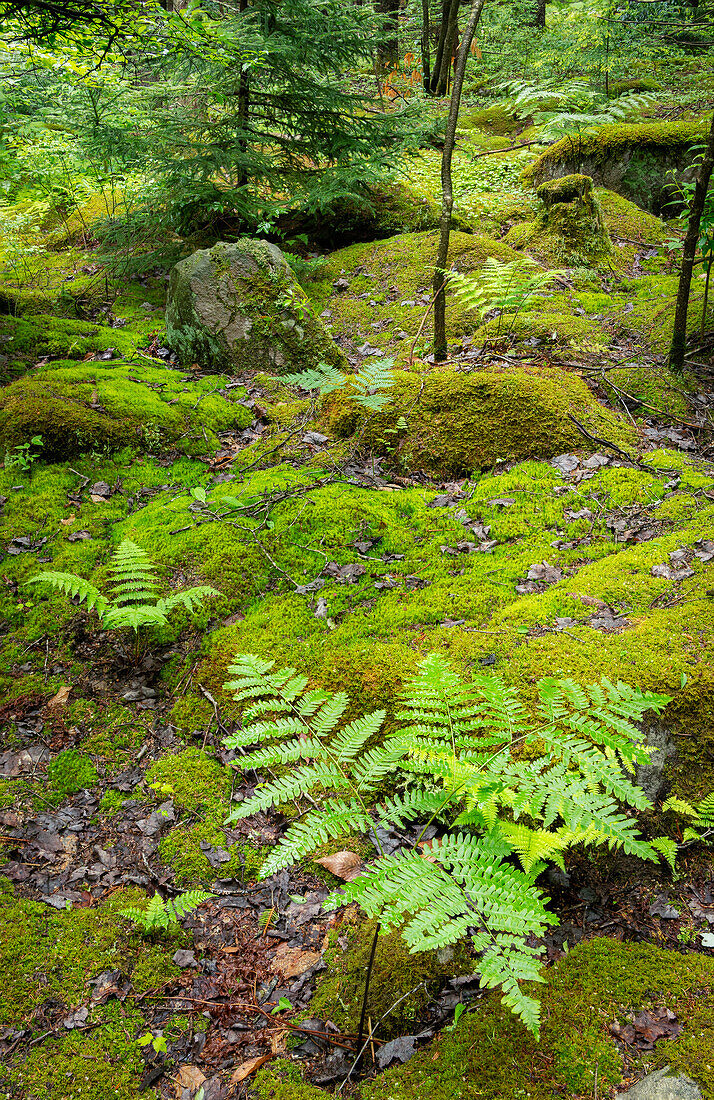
(582,546)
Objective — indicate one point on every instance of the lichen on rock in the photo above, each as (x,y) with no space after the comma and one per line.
(239,307)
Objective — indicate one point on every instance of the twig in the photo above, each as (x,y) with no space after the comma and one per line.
(382,1017)
(265,454)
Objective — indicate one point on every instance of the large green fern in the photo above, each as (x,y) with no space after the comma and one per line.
(505,287)
(133,600)
(368,387)
(456,761)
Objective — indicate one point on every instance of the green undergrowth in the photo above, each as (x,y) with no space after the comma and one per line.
(200,789)
(85,407)
(465,604)
(450,424)
(48,959)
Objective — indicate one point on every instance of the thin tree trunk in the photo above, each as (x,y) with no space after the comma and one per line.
(447,201)
(425,50)
(539,20)
(449,37)
(388,48)
(696,209)
(445,9)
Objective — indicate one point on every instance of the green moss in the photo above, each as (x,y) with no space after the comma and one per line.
(69,772)
(76,408)
(283,1080)
(31,338)
(195,779)
(489,1055)
(395,972)
(570,226)
(457,423)
(93,1065)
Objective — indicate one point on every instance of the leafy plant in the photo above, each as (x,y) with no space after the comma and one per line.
(23,456)
(505,287)
(502,786)
(368,387)
(559,108)
(70,772)
(158,1043)
(702,817)
(133,601)
(160,914)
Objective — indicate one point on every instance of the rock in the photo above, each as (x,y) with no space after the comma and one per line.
(239,307)
(660,1085)
(649,777)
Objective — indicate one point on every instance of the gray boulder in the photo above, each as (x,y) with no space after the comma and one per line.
(238,307)
(662,1085)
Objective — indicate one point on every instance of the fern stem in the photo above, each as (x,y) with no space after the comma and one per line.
(365,997)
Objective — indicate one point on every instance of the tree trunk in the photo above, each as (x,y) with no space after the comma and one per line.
(447,200)
(696,209)
(446,48)
(388,49)
(539,20)
(425,49)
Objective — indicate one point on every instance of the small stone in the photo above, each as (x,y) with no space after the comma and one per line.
(661,1085)
(183,958)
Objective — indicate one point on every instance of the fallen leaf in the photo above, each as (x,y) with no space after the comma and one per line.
(60,699)
(70,519)
(246,1068)
(95,499)
(277,1041)
(345,865)
(291,962)
(188,1077)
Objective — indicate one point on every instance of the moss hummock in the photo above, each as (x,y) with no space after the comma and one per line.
(457,423)
(570,226)
(97,407)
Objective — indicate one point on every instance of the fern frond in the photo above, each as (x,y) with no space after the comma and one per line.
(131,617)
(192,597)
(72,585)
(185,903)
(300,781)
(667,848)
(533,845)
(354,736)
(316,828)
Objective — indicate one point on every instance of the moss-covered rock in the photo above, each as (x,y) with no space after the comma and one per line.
(27,339)
(92,406)
(239,307)
(570,226)
(451,424)
(633,158)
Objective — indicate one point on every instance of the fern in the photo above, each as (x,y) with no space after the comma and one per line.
(132,602)
(505,287)
(702,818)
(560,108)
(457,761)
(160,914)
(368,387)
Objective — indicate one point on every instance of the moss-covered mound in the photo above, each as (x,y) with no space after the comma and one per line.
(570,226)
(24,340)
(633,158)
(450,424)
(91,406)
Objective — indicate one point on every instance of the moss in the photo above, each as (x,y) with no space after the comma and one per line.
(395,972)
(457,423)
(389,287)
(30,338)
(91,407)
(69,772)
(87,1065)
(199,785)
(46,954)
(490,1055)
(570,226)
(635,84)
(283,1080)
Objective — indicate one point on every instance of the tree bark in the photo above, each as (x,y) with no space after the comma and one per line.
(539,20)
(446,48)
(696,209)
(447,200)
(388,49)
(425,47)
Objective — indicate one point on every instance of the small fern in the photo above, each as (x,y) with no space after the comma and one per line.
(505,287)
(133,601)
(561,108)
(368,387)
(702,817)
(160,914)
(455,763)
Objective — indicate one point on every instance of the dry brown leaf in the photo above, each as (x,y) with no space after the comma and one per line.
(70,519)
(277,1041)
(291,962)
(188,1077)
(246,1068)
(96,499)
(345,865)
(60,699)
